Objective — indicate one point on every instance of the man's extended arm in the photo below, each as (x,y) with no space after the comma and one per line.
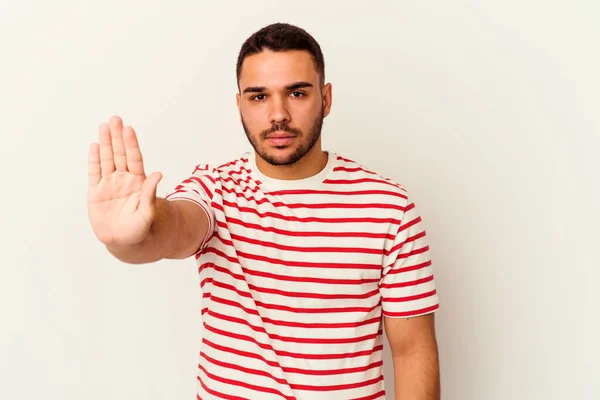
(415,355)
(125,214)
(177,231)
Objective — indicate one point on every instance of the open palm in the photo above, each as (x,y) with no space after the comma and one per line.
(121,198)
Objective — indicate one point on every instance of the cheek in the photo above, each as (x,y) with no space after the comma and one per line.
(253,112)
(254,124)
(307,115)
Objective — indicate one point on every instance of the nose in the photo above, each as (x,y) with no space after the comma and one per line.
(279,113)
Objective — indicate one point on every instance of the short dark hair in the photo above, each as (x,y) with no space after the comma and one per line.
(282,37)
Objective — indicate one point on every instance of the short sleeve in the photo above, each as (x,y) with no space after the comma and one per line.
(199,189)
(407,284)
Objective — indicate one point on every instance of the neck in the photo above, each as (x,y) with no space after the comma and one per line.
(311,164)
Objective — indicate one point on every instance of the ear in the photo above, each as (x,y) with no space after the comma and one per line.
(238,102)
(327,99)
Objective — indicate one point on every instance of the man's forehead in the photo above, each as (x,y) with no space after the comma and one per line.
(278,69)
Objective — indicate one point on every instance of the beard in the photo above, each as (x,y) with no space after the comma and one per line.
(306,142)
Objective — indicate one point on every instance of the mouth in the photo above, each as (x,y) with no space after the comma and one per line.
(280,138)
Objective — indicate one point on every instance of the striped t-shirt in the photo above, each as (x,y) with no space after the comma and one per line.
(296,276)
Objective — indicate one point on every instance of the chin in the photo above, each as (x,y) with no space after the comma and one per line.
(281,156)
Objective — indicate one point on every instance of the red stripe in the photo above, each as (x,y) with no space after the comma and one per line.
(207,176)
(309,295)
(409,224)
(332,388)
(298,356)
(184,188)
(337,193)
(408,269)
(305,219)
(317,325)
(204,167)
(399,245)
(290,370)
(411,313)
(302,249)
(289,263)
(296,310)
(198,180)
(342,371)
(248,225)
(221,254)
(406,284)
(375,396)
(409,298)
(243,384)
(329,388)
(305,264)
(326,281)
(356,181)
(290,339)
(242,279)
(283,381)
(240,171)
(205,281)
(237,181)
(294,324)
(279,204)
(241,353)
(250,189)
(237,367)
(354,169)
(346,159)
(218,394)
(302,279)
(234,162)
(414,252)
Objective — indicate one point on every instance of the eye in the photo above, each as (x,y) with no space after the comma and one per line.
(297,94)
(258,97)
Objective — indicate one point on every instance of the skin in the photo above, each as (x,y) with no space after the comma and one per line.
(137,227)
(280,93)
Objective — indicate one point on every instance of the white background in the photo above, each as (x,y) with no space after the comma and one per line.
(486,111)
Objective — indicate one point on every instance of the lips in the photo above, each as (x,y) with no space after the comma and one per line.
(280,139)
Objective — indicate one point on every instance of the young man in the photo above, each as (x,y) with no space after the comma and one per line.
(304,256)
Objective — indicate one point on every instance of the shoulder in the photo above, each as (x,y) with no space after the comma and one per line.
(233,171)
(355,173)
(234,166)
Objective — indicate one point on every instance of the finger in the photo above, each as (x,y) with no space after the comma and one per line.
(118,148)
(94,171)
(135,162)
(148,194)
(107,164)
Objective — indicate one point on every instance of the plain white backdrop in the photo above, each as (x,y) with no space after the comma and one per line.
(486,111)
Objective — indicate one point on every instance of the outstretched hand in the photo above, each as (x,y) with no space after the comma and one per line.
(121,198)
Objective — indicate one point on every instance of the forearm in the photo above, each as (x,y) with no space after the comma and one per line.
(162,240)
(416,375)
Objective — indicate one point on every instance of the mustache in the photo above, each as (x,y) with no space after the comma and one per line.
(280,128)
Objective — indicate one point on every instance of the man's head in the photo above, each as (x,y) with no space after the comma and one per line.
(282,97)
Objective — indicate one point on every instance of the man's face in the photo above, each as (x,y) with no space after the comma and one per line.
(282,104)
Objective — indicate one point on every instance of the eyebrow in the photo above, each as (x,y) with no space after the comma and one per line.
(292,86)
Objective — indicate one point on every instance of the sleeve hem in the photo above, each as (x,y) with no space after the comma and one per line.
(413,313)
(211,222)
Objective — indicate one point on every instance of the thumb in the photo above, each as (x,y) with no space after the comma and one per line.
(148,192)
